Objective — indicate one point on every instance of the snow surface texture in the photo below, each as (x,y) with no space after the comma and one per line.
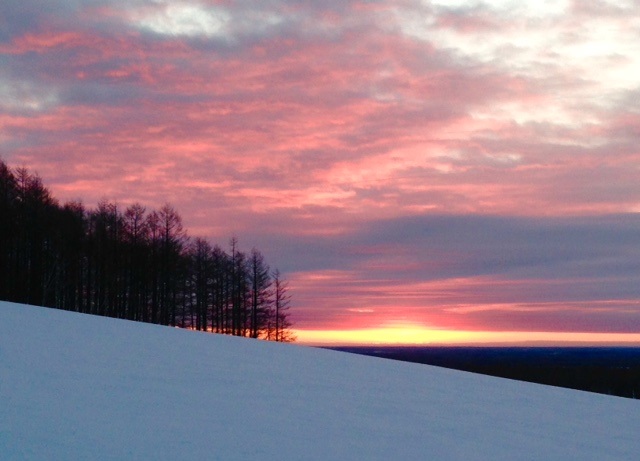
(78,387)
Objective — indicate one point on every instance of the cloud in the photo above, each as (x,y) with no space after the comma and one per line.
(186,19)
(474,271)
(333,133)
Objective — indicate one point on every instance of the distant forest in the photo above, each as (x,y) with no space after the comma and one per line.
(134,264)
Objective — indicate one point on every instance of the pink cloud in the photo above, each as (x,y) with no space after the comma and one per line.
(316,119)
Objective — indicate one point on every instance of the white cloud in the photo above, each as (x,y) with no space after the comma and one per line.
(193,19)
(16,95)
(186,19)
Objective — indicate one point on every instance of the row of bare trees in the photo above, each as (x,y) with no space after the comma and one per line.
(133,263)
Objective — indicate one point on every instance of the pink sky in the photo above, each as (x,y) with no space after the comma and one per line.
(449,165)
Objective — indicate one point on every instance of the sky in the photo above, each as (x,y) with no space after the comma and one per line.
(420,171)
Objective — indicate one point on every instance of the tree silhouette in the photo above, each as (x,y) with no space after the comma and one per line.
(260,291)
(139,265)
(282,303)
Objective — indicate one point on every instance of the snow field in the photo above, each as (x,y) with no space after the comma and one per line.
(75,386)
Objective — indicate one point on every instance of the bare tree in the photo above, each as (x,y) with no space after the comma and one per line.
(281,305)
(172,242)
(260,292)
(136,239)
(134,264)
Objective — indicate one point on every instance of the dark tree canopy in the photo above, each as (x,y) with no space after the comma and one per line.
(134,264)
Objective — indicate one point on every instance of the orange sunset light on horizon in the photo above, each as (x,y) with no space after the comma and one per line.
(412,335)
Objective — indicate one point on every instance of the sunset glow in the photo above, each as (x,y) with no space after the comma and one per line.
(412,335)
(470,167)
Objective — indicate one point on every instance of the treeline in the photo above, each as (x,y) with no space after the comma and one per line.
(133,263)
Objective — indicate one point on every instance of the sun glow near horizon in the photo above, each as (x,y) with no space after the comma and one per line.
(419,335)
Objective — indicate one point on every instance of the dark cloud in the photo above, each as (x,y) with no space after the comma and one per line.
(545,248)
(545,273)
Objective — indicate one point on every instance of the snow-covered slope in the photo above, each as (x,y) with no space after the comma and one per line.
(77,387)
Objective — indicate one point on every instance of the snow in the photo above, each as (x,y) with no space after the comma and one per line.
(75,386)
